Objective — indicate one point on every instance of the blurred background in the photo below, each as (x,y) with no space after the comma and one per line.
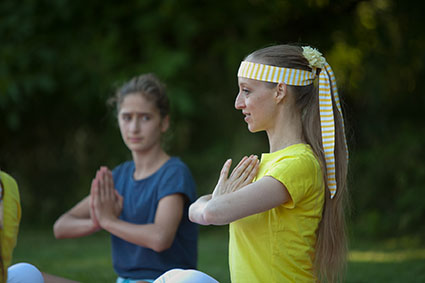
(61,60)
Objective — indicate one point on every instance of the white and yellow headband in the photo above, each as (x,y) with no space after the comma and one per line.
(327,88)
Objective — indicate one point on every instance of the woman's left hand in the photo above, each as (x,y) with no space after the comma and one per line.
(107,202)
(242,175)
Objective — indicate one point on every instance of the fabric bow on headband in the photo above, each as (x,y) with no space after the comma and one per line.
(327,88)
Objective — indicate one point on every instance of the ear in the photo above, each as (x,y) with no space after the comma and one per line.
(165,123)
(281,91)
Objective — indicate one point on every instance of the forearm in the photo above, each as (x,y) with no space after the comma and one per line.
(221,210)
(227,204)
(254,198)
(197,210)
(218,210)
(152,236)
(68,226)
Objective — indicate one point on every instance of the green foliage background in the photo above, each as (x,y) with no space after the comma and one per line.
(60,61)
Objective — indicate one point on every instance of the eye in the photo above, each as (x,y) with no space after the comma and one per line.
(126,117)
(146,118)
(245,91)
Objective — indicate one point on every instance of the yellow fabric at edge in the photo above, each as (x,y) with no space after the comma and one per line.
(11,218)
(278,245)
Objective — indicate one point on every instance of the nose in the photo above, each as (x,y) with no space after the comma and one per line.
(134,125)
(239,102)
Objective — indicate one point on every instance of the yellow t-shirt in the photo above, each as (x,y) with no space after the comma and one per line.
(278,245)
(11,218)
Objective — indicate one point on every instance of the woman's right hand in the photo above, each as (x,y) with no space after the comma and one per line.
(107,203)
(102,183)
(242,175)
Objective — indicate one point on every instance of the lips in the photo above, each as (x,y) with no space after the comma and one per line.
(247,116)
(134,140)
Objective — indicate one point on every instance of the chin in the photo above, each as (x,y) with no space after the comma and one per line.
(135,147)
(253,129)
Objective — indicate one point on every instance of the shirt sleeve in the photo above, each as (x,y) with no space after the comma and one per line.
(177,179)
(297,175)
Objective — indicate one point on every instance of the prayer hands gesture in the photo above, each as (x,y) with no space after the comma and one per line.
(242,175)
(105,202)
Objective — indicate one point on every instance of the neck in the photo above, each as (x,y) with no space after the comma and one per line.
(286,130)
(148,162)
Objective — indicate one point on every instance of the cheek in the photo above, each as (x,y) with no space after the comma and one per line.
(122,126)
(255,104)
(149,127)
(262,110)
(251,102)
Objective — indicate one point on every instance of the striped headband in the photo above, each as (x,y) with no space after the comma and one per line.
(327,88)
(274,74)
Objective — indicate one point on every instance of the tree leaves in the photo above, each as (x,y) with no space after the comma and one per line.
(61,60)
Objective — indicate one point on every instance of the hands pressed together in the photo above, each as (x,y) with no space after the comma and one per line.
(242,175)
(105,202)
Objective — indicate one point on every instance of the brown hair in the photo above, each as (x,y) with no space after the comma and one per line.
(149,86)
(331,245)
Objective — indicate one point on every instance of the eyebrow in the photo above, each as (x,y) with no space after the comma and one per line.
(138,113)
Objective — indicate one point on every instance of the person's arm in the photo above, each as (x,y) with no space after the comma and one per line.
(76,222)
(235,197)
(81,219)
(196,210)
(256,197)
(157,236)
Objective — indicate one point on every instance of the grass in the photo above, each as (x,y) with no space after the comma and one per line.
(88,259)
(390,260)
